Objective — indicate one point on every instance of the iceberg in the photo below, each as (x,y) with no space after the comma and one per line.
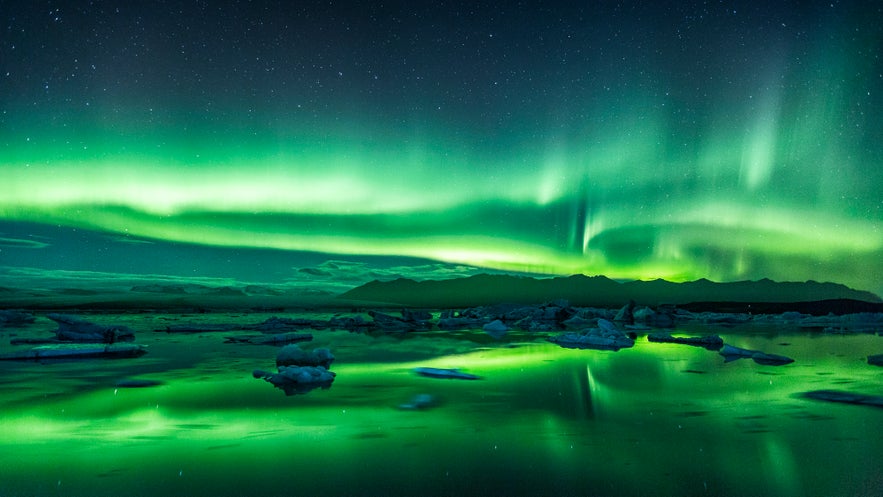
(605,337)
(495,328)
(292,355)
(295,380)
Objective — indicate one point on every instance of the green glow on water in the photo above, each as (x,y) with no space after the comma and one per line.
(580,421)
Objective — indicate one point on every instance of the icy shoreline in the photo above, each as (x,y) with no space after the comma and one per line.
(495,319)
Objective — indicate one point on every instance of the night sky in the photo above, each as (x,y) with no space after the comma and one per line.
(681,140)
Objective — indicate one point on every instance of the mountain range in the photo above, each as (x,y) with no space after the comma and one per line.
(598,291)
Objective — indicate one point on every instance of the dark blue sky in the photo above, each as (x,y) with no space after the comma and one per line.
(726,140)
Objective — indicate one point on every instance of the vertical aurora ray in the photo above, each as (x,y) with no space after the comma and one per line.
(759,153)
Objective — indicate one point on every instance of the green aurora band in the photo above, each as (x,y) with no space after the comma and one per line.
(781,180)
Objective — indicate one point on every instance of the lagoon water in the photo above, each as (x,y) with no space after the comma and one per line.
(657,419)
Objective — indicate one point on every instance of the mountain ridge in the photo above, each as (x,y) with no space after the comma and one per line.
(600,291)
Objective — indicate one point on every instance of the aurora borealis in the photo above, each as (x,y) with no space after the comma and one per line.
(725,140)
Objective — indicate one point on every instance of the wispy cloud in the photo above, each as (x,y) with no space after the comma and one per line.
(31,276)
(22,243)
(129,239)
(357,272)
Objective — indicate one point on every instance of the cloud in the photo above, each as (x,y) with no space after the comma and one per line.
(22,243)
(315,272)
(335,276)
(31,276)
(129,239)
(362,272)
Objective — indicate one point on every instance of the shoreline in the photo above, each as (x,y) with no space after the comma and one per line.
(547,317)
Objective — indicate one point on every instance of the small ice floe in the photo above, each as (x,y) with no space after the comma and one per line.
(631,315)
(353,324)
(451,320)
(578,322)
(731,353)
(74,329)
(495,328)
(77,351)
(724,318)
(710,342)
(275,339)
(281,325)
(410,321)
(200,328)
(419,402)
(605,337)
(300,371)
(447,374)
(545,317)
(294,380)
(663,317)
(771,359)
(845,397)
(293,355)
(15,318)
(592,341)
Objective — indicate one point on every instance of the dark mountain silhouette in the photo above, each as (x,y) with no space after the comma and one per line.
(600,291)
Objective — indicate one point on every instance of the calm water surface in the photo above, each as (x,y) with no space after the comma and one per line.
(657,419)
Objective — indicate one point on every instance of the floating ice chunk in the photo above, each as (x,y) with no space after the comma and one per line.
(495,328)
(845,397)
(770,359)
(592,340)
(293,355)
(274,339)
(608,327)
(74,329)
(298,379)
(605,337)
(77,350)
(15,318)
(732,353)
(450,374)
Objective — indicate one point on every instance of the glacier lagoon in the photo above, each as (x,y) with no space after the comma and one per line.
(657,419)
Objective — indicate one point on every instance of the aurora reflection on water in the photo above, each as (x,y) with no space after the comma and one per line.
(657,419)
